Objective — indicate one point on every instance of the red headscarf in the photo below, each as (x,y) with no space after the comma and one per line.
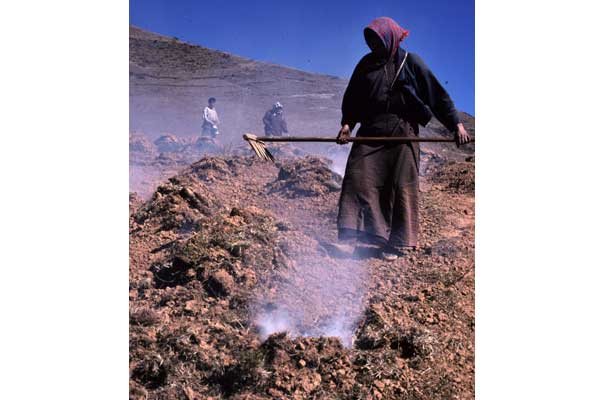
(390,32)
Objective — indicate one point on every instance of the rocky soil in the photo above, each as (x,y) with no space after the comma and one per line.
(217,243)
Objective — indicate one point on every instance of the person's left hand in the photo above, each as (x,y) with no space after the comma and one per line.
(461,136)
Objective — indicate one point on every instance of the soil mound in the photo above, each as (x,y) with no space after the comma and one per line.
(142,151)
(139,143)
(305,177)
(220,254)
(179,203)
(152,163)
(173,144)
(305,367)
(210,169)
(175,205)
(285,150)
(207,256)
(168,144)
(190,318)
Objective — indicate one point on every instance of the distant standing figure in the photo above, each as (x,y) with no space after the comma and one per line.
(210,120)
(274,121)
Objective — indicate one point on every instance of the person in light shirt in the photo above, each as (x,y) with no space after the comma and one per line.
(211,121)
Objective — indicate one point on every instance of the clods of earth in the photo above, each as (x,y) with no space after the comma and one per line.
(212,246)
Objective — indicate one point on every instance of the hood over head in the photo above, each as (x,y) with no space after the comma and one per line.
(389,31)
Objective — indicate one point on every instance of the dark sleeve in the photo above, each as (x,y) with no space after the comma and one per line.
(351,103)
(433,94)
(266,119)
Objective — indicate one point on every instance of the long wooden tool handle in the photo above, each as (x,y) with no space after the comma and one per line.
(362,139)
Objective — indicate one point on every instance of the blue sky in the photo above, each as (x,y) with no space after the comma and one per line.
(323,36)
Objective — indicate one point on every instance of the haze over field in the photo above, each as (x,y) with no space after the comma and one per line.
(170,82)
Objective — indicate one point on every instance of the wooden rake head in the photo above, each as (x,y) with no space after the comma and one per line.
(259,147)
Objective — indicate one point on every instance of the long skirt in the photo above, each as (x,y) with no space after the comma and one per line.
(380,190)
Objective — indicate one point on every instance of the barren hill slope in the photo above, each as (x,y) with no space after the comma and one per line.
(170,82)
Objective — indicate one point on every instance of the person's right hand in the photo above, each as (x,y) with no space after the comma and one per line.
(343,135)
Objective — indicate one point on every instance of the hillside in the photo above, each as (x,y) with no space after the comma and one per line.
(170,82)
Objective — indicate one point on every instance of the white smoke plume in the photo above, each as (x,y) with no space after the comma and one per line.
(319,297)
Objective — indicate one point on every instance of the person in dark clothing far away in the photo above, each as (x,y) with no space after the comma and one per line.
(274,121)
(391,92)
(209,127)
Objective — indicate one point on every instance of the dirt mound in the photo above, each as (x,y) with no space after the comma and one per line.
(207,256)
(210,169)
(455,176)
(175,206)
(304,368)
(142,151)
(172,149)
(139,143)
(189,331)
(217,254)
(285,150)
(308,176)
(150,164)
(180,202)
(173,144)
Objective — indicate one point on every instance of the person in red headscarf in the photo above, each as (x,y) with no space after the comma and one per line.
(391,92)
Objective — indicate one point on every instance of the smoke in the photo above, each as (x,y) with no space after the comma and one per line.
(338,158)
(320,296)
(273,322)
(143,180)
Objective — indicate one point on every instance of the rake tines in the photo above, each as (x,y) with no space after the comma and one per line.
(259,147)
